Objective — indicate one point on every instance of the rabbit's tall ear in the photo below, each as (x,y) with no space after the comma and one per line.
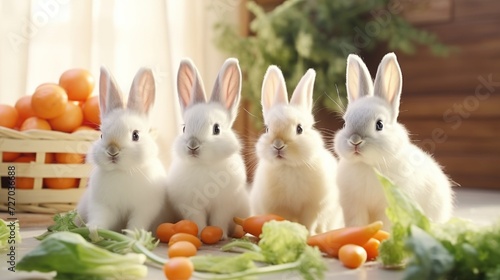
(227,87)
(110,97)
(303,93)
(358,80)
(389,81)
(189,85)
(273,89)
(142,92)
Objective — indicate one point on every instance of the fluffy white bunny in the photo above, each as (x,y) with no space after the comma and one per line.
(373,139)
(207,178)
(295,175)
(125,188)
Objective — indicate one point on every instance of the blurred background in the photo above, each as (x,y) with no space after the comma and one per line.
(449,52)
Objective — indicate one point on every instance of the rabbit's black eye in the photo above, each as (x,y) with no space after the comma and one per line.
(183,128)
(299,129)
(101,136)
(379,125)
(266,129)
(135,135)
(216,129)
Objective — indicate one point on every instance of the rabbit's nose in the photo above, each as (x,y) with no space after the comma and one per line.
(278,144)
(112,150)
(193,143)
(355,140)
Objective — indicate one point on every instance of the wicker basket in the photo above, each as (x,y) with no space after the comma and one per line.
(40,199)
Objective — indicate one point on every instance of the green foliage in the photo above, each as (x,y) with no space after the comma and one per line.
(300,34)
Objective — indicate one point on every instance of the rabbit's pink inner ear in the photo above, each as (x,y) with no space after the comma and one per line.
(358,80)
(273,88)
(388,82)
(227,88)
(189,85)
(303,93)
(142,91)
(110,96)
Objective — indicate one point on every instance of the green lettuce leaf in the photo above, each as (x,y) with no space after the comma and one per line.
(72,257)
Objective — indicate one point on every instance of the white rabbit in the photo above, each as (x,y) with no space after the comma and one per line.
(207,178)
(125,188)
(373,139)
(295,175)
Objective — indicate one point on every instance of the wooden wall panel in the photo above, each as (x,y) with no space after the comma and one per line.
(434,85)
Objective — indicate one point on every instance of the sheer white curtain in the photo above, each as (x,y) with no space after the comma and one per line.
(40,39)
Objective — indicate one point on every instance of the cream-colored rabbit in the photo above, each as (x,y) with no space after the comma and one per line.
(295,175)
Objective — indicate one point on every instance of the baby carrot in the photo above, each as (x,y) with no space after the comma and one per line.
(371,248)
(352,256)
(211,234)
(253,225)
(331,241)
(381,235)
(182,236)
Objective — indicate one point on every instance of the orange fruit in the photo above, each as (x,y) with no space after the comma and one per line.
(10,156)
(35,123)
(8,116)
(69,158)
(49,101)
(91,111)
(69,120)
(24,109)
(83,127)
(78,83)
(60,183)
(25,183)
(49,157)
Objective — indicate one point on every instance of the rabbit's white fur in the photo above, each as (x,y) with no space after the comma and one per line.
(363,148)
(207,179)
(295,175)
(125,188)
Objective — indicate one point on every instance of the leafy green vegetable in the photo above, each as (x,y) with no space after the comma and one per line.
(72,257)
(223,264)
(430,259)
(457,249)
(282,246)
(403,213)
(9,231)
(310,265)
(138,241)
(283,241)
(476,249)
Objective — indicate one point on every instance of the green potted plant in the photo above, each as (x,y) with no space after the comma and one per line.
(319,34)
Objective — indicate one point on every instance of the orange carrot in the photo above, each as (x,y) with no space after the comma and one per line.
(238,232)
(371,248)
(253,225)
(382,235)
(352,256)
(182,236)
(331,241)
